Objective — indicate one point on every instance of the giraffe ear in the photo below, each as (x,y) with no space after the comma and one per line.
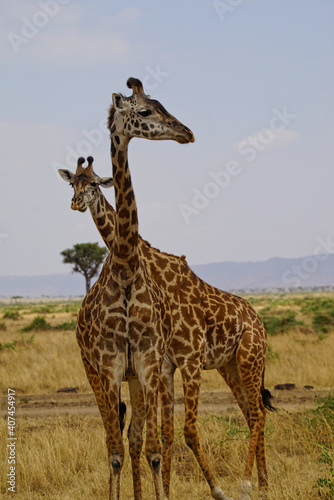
(106,182)
(117,100)
(67,175)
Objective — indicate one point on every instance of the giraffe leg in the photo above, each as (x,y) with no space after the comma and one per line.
(191,386)
(231,376)
(261,457)
(149,380)
(135,434)
(94,381)
(166,390)
(250,373)
(111,389)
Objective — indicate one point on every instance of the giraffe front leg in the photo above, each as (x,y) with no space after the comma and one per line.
(166,390)
(111,389)
(153,449)
(149,379)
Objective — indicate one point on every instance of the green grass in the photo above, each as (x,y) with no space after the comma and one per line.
(324,485)
(322,418)
(8,345)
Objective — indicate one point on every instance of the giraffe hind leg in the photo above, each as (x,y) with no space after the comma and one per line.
(250,361)
(231,376)
(191,388)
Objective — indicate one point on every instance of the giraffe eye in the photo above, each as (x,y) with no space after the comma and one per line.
(144,113)
(93,184)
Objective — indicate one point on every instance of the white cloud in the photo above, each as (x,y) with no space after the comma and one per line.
(265,140)
(282,138)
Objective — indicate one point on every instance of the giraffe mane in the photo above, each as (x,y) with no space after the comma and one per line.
(111,115)
(177,257)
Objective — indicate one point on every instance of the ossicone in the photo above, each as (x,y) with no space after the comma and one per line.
(135,85)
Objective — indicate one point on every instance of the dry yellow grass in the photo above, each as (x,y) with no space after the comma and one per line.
(65,458)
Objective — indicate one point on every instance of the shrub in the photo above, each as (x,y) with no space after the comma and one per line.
(38,323)
(322,322)
(279,321)
(14,315)
(68,325)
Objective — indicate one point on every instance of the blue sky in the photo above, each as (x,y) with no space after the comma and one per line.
(253,79)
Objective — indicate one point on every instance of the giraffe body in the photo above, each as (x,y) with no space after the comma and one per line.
(211,330)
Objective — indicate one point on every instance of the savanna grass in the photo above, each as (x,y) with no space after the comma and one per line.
(63,458)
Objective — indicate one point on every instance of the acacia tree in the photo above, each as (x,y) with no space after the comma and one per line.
(86,259)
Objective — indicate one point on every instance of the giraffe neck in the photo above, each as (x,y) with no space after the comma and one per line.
(104,217)
(125,261)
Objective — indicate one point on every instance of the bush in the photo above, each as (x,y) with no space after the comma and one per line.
(322,322)
(38,323)
(279,321)
(14,315)
(68,325)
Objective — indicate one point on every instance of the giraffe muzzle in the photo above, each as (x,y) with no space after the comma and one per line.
(77,204)
(185,136)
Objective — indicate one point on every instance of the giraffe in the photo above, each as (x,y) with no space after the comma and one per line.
(188,295)
(212,329)
(125,325)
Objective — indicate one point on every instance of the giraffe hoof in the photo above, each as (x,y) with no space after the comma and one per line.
(218,494)
(246,490)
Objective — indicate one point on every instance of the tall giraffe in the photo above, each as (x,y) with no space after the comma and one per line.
(125,324)
(172,274)
(214,329)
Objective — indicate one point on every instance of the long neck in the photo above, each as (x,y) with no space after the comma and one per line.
(125,261)
(104,217)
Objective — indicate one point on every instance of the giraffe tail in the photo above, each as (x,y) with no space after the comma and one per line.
(122,415)
(266,397)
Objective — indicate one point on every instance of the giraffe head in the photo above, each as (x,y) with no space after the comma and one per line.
(85,184)
(141,116)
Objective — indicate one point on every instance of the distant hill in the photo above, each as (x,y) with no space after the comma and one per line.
(53,285)
(305,272)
